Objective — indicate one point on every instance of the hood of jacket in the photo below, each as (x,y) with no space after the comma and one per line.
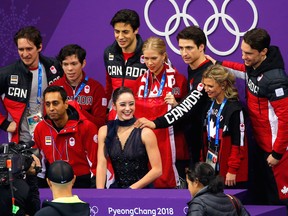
(273,60)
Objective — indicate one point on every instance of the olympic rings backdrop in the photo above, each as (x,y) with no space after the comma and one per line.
(87,24)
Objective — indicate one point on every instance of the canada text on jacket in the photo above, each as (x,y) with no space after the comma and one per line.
(184,107)
(133,72)
(17,92)
(253,88)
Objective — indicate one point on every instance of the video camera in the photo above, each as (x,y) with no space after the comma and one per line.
(17,157)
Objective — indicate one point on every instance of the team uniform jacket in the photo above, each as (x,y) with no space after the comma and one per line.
(232,150)
(267,101)
(92,98)
(179,90)
(173,83)
(15,82)
(76,143)
(120,73)
(195,116)
(183,109)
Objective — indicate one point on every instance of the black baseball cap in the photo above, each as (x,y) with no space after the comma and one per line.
(60,172)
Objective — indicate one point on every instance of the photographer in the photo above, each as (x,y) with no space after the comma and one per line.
(19,191)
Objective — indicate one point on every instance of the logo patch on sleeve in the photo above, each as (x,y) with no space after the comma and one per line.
(200,87)
(242,127)
(71,141)
(111,57)
(104,101)
(48,140)
(142,59)
(14,79)
(53,69)
(95,138)
(87,89)
(279,92)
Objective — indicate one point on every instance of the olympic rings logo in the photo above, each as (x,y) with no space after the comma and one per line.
(215,17)
(93,210)
(185,210)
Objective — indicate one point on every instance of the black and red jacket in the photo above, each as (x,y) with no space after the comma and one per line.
(195,114)
(234,152)
(267,101)
(15,82)
(120,73)
(92,98)
(232,149)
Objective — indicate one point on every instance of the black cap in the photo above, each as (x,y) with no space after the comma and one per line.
(60,172)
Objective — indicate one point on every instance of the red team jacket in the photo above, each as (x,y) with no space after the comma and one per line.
(76,143)
(120,72)
(153,106)
(267,101)
(92,98)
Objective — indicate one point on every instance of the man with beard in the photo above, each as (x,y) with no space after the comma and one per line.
(66,134)
(267,101)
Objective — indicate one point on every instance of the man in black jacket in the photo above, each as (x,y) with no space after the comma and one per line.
(60,178)
(192,45)
(123,59)
(22,84)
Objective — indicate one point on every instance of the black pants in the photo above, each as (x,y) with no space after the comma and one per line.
(83,181)
(264,187)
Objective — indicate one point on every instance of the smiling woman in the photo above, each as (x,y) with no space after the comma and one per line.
(219,83)
(226,149)
(129,149)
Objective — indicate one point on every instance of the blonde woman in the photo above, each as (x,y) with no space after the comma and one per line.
(226,149)
(160,88)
